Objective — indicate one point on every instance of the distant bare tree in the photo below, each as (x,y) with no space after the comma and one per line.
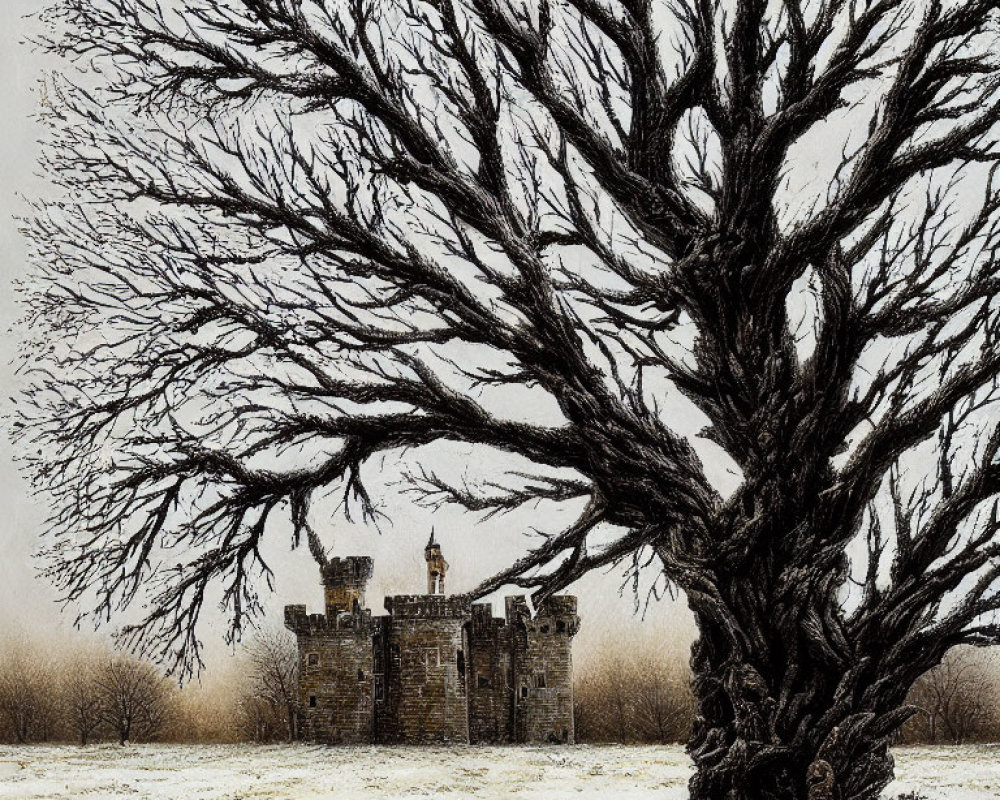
(48,715)
(256,719)
(80,696)
(957,700)
(644,697)
(206,713)
(27,696)
(134,698)
(274,678)
(70,689)
(664,704)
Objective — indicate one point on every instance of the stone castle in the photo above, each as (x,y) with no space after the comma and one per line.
(435,668)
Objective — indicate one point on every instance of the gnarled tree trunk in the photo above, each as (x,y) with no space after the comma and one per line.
(785,711)
(750,743)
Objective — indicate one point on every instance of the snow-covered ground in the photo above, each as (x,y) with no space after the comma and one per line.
(170,772)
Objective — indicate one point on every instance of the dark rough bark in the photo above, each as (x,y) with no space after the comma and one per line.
(751,743)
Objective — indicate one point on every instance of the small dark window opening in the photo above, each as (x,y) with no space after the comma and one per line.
(540,680)
(312,701)
(483,682)
(561,626)
(524,691)
(312,659)
(460,661)
(361,674)
(545,628)
(379,689)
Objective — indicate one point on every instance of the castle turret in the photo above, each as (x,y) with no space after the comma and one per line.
(436,566)
(344,582)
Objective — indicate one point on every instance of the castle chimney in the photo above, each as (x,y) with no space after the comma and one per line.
(436,566)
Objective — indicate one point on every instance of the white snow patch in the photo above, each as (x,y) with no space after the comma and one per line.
(306,772)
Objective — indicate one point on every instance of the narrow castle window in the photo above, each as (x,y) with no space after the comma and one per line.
(379,689)
(312,701)
(361,674)
(312,659)
(460,660)
(483,682)
(560,626)
(540,680)
(545,628)
(524,691)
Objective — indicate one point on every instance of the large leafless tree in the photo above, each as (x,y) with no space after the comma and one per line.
(296,235)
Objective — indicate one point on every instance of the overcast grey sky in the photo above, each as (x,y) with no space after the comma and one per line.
(20,595)
(473,549)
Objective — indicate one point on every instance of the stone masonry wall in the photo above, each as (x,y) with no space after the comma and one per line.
(489,677)
(436,669)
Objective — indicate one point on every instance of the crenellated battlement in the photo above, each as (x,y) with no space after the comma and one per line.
(403,606)
(350,569)
(483,621)
(556,614)
(295,617)
(556,606)
(305,624)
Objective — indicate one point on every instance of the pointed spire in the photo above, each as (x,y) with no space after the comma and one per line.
(436,566)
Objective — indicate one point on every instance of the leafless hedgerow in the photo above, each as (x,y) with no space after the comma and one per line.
(296,235)
(28,705)
(633,697)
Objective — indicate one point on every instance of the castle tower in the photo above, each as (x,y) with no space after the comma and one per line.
(425,670)
(336,678)
(541,652)
(436,566)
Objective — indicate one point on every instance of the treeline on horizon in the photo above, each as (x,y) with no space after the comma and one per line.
(85,694)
